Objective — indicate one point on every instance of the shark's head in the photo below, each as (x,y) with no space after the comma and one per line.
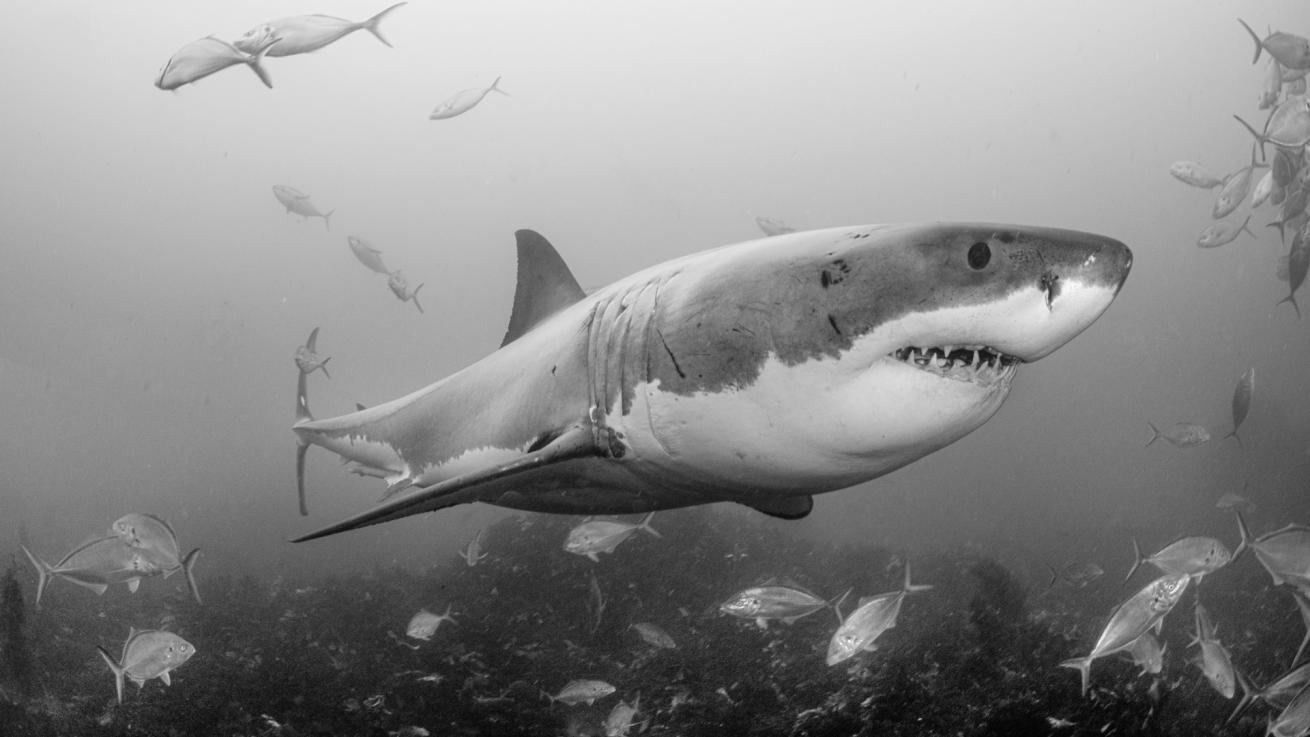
(849,352)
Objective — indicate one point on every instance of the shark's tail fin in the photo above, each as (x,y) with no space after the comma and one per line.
(645,525)
(116,668)
(414,296)
(371,25)
(188,567)
(302,415)
(42,573)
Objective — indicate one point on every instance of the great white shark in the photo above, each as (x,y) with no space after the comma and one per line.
(760,373)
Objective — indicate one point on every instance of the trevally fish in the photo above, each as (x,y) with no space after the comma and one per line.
(633,398)
(1147,653)
(773,227)
(1294,719)
(367,254)
(1075,574)
(148,654)
(1140,612)
(1291,50)
(95,565)
(1263,189)
(620,717)
(1193,174)
(304,33)
(464,101)
(400,287)
(1235,189)
(875,615)
(581,691)
(1303,603)
(472,552)
(1273,85)
(596,602)
(424,624)
(307,359)
(1222,233)
(1242,401)
(603,536)
(157,541)
(298,202)
(787,603)
(1181,435)
(1284,553)
(653,634)
(1293,210)
(1298,263)
(1277,694)
(208,55)
(1233,500)
(1194,556)
(1288,127)
(1215,662)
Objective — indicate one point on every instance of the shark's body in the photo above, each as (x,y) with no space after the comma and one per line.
(761,373)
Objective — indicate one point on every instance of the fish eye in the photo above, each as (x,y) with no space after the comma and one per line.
(979,255)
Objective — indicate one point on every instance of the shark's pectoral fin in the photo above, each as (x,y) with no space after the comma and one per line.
(578,441)
(545,285)
(783,507)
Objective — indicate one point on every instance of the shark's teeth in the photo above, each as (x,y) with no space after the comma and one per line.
(972,363)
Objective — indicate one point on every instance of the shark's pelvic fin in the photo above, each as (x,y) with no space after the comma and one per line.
(783,507)
(545,284)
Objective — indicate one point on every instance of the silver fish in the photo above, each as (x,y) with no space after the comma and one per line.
(367,254)
(1294,719)
(1284,553)
(1291,50)
(1287,128)
(304,33)
(1263,189)
(582,691)
(1194,556)
(777,227)
(1075,574)
(1233,500)
(874,616)
(307,359)
(1181,435)
(400,287)
(1191,173)
(148,654)
(472,552)
(424,624)
(1277,694)
(463,101)
(1222,233)
(1235,189)
(620,718)
(158,546)
(603,536)
(1242,401)
(653,634)
(1147,653)
(786,603)
(298,202)
(208,55)
(1214,662)
(1298,263)
(1139,613)
(95,565)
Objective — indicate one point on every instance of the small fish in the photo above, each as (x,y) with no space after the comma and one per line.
(1277,694)
(874,616)
(1273,85)
(208,55)
(95,565)
(1284,167)
(620,718)
(1235,189)
(786,603)
(581,691)
(472,552)
(1288,127)
(1139,613)
(423,626)
(1075,574)
(1263,189)
(1193,174)
(367,254)
(1284,553)
(1242,402)
(603,536)
(307,356)
(463,101)
(1294,719)
(1222,233)
(304,33)
(1293,209)
(1298,263)
(1233,500)
(1181,435)
(653,634)
(1290,50)
(148,654)
(777,227)
(1147,653)
(157,541)
(1193,556)
(1215,662)
(298,202)
(596,604)
(400,287)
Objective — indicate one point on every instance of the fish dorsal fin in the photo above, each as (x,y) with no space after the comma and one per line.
(784,507)
(545,285)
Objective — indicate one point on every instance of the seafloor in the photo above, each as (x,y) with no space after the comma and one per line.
(977,655)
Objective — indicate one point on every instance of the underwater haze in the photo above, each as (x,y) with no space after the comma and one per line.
(155,291)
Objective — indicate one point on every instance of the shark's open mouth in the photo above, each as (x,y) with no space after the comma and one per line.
(981,364)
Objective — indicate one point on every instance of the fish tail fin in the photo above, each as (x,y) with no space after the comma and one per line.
(327,220)
(1282,231)
(373,27)
(1249,693)
(836,605)
(1233,434)
(256,62)
(188,567)
(116,668)
(1155,433)
(645,524)
(1245,541)
(1137,560)
(1259,46)
(1084,668)
(910,588)
(1291,298)
(1248,230)
(302,447)
(414,297)
(324,366)
(495,88)
(1258,137)
(42,572)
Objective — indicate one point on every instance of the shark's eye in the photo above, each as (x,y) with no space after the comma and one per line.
(979,255)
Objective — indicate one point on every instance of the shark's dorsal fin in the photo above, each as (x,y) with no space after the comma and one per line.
(312,343)
(784,507)
(545,284)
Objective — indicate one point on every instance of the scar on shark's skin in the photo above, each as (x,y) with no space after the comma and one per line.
(760,373)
